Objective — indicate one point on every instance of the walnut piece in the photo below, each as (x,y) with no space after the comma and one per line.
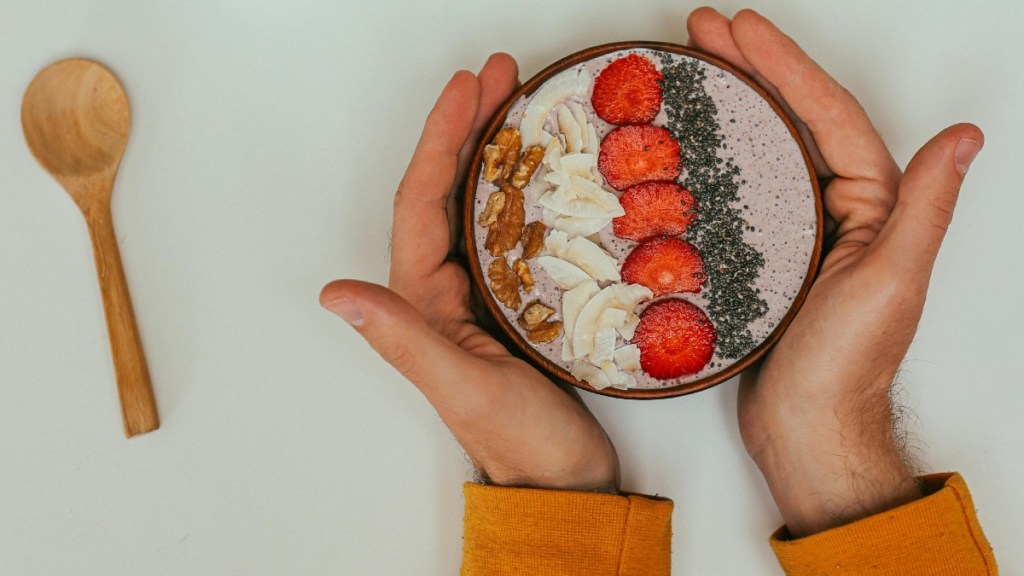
(522,269)
(501,155)
(538,329)
(533,239)
(495,202)
(504,283)
(544,332)
(534,314)
(527,166)
(504,234)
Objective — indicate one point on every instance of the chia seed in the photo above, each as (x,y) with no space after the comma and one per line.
(731,264)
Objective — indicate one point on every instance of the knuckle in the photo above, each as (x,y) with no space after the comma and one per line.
(399,355)
(941,209)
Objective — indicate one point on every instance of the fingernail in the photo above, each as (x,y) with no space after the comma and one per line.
(966,150)
(347,310)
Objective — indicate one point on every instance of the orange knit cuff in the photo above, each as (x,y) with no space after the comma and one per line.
(526,531)
(936,534)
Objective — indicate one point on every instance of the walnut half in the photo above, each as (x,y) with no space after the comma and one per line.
(504,233)
(501,155)
(527,166)
(504,283)
(533,239)
(495,202)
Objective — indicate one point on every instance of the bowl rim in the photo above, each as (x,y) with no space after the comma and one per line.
(549,367)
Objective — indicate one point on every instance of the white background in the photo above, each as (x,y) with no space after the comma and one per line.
(267,140)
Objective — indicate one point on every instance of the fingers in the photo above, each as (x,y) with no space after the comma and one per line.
(848,142)
(927,195)
(421,237)
(498,78)
(712,32)
(425,225)
(403,339)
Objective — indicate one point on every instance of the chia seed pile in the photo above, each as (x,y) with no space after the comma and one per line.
(731,264)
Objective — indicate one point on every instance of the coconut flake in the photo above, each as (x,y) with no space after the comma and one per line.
(628,358)
(629,327)
(573,302)
(604,346)
(561,87)
(612,318)
(566,274)
(575,226)
(591,374)
(586,324)
(592,258)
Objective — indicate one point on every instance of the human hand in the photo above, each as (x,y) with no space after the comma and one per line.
(817,417)
(516,426)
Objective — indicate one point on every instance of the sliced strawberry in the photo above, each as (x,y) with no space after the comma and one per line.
(675,338)
(634,154)
(654,209)
(665,265)
(628,91)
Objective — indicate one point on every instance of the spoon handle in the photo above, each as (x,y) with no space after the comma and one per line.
(138,407)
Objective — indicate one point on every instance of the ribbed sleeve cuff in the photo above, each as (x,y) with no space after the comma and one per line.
(554,532)
(936,534)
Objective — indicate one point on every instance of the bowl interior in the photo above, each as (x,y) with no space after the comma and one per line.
(753,128)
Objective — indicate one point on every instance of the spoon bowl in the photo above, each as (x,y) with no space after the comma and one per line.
(76,120)
(81,131)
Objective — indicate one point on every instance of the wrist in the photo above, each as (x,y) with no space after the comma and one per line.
(593,470)
(832,464)
(817,486)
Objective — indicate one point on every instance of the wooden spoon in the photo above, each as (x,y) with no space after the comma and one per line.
(76,121)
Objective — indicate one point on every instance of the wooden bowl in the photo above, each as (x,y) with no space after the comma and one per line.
(796,272)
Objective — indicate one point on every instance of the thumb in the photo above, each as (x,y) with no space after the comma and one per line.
(927,195)
(399,333)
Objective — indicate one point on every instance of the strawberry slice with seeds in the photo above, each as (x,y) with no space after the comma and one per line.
(628,91)
(654,209)
(635,154)
(665,264)
(675,338)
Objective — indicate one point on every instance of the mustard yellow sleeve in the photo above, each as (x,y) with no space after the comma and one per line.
(554,532)
(936,534)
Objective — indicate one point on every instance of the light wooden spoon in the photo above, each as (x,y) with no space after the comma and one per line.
(76,121)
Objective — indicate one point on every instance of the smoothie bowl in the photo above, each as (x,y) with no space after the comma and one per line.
(642,220)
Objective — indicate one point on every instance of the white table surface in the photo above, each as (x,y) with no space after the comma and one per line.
(267,140)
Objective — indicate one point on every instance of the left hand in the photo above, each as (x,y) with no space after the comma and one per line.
(516,426)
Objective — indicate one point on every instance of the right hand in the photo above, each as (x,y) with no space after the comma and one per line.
(816,417)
